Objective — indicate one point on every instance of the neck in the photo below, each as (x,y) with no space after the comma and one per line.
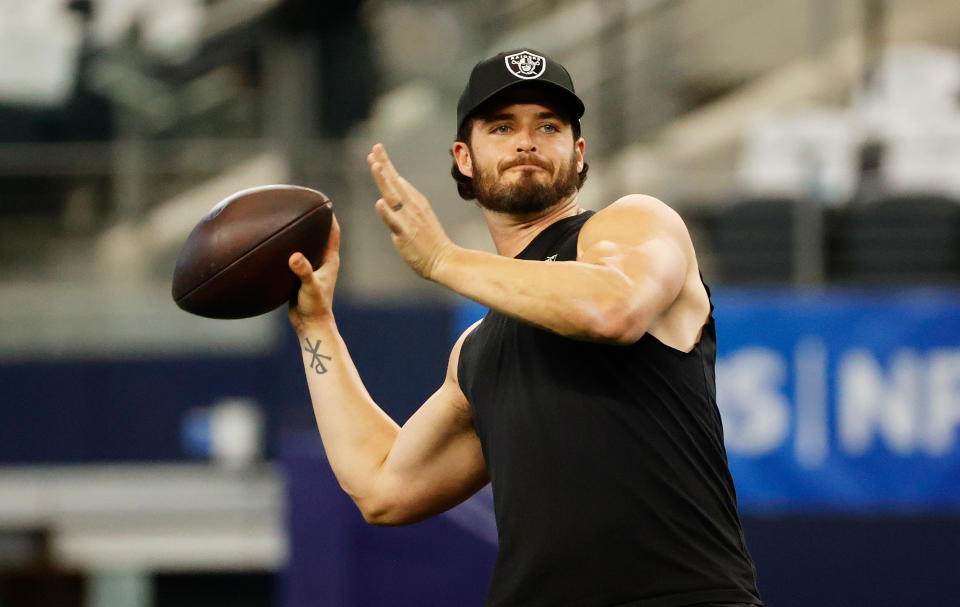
(512,233)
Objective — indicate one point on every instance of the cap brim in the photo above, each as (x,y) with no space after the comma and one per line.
(570,100)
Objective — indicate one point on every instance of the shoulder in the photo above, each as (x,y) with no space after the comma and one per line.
(450,388)
(638,215)
(454,362)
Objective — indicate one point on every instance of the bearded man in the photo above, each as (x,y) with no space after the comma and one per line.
(585,396)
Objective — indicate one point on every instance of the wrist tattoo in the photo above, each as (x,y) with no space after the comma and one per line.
(316,363)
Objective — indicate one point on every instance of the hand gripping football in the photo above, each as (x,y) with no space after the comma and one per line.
(234,263)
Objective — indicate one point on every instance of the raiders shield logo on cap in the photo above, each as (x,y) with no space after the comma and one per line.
(527,68)
(525,65)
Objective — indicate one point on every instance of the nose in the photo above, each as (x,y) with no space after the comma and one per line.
(525,141)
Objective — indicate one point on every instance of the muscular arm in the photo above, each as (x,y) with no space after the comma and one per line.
(395,475)
(436,461)
(633,261)
(631,265)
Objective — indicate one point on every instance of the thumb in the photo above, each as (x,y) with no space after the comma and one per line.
(300,266)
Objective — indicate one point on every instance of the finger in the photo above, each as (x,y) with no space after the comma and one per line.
(388,188)
(407,192)
(300,266)
(390,174)
(333,242)
(335,230)
(387,214)
(381,156)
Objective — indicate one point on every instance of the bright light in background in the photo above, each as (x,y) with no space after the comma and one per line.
(170,30)
(39,45)
(40,41)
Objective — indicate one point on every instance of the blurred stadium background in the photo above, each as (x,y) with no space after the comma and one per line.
(152,459)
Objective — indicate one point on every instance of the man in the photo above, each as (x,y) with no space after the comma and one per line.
(586,395)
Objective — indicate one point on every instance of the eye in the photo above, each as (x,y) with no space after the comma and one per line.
(500,129)
(550,128)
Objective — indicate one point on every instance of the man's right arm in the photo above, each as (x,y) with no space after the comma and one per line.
(394,475)
(435,462)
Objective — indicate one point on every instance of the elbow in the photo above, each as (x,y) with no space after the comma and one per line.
(375,512)
(378,518)
(615,324)
(618,332)
(615,315)
(386,503)
(381,513)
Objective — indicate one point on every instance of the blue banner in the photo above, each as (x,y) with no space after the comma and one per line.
(844,401)
(841,400)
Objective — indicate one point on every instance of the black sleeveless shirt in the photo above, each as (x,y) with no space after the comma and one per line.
(610,479)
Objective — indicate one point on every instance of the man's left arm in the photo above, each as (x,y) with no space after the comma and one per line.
(631,265)
(629,269)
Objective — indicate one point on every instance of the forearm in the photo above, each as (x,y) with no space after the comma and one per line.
(575,299)
(357,435)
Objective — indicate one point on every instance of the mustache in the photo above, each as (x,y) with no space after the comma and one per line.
(543,163)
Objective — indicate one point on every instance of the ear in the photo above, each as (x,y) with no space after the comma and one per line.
(578,151)
(461,153)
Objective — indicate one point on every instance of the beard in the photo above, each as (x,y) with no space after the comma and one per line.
(527,195)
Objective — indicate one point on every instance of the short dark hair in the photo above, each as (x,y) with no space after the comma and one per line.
(465,184)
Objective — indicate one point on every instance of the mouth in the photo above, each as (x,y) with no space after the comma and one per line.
(528,170)
(528,163)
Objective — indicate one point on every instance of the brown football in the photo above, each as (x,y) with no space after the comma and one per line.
(234,263)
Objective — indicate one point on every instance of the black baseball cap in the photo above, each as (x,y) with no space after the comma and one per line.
(509,69)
